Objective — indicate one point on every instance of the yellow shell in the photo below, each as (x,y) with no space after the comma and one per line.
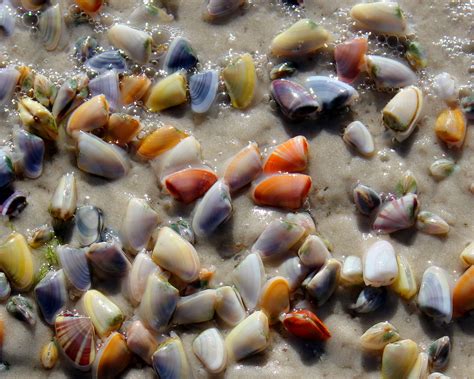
(275,298)
(240,80)
(104,314)
(92,114)
(16,261)
(405,284)
(398,359)
(49,355)
(167,93)
(134,88)
(38,119)
(450,127)
(159,141)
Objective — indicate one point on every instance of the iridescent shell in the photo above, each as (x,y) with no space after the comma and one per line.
(180,56)
(209,347)
(389,73)
(112,358)
(7,175)
(380,265)
(219,9)
(369,300)
(104,314)
(135,43)
(106,84)
(108,60)
(431,223)
(52,29)
(349,57)
(358,136)
(85,47)
(248,278)
(293,100)
(240,80)
(168,92)
(195,308)
(14,203)
(89,223)
(290,156)
(435,297)
(16,261)
(75,266)
(5,288)
(170,361)
(203,88)
(51,295)
(64,199)
(243,167)
(294,271)
(108,259)
(313,252)
(321,285)
(142,267)
(439,352)
(397,214)
(30,153)
(229,306)
(331,94)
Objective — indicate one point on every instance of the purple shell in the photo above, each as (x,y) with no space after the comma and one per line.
(294,100)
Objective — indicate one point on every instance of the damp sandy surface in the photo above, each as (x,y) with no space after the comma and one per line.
(443,27)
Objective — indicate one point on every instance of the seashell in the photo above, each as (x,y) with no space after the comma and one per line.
(384,17)
(49,355)
(7,176)
(112,358)
(416,55)
(293,100)
(249,277)
(467,255)
(278,238)
(463,293)
(22,309)
(180,56)
(5,288)
(349,57)
(14,203)
(313,252)
(437,375)
(16,261)
(358,136)
(156,311)
(250,336)
(30,151)
(397,214)
(108,259)
(108,60)
(294,271)
(321,285)
(401,114)
(302,38)
(91,115)
(52,30)
(446,87)
(168,92)
(369,300)
(189,184)
(305,220)
(210,349)
(229,306)
(173,253)
(240,80)
(195,308)
(351,272)
(106,84)
(142,268)
(40,236)
(450,127)
(407,184)
(141,342)
(305,324)
(290,156)
(405,285)
(149,13)
(75,266)
(38,119)
(135,43)
(160,141)
(104,314)
(43,90)
(243,167)
(398,359)
(75,337)
(420,369)
(431,223)
(70,95)
(282,191)
(183,228)
(9,77)
(439,352)
(378,336)
(64,200)
(389,73)
(85,47)
(7,19)
(133,88)
(26,79)
(434,298)
(442,168)
(467,106)
(100,158)
(121,128)
(51,295)
(89,224)
(170,361)
(331,94)
(214,209)
(380,265)
(89,6)
(219,9)
(203,90)
(275,298)
(282,70)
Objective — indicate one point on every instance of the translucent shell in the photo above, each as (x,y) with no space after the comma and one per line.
(209,347)
(293,100)
(229,305)
(135,43)
(170,361)
(121,128)
(92,114)
(389,73)
(431,223)
(195,308)
(249,337)
(16,261)
(142,267)
(112,358)
(75,266)
(450,127)
(349,58)
(398,214)
(405,285)
(275,298)
(322,284)
(75,337)
(49,355)
(380,17)
(160,141)
(302,38)
(313,252)
(40,236)
(89,6)
(358,136)
(435,297)
(305,324)
(141,342)
(378,336)
(38,119)
(398,359)
(189,184)
(5,288)
(442,168)
(167,93)
(290,156)
(243,167)
(240,80)
(64,201)
(282,191)
(104,314)
(380,265)
(248,278)
(51,295)
(133,88)
(21,308)
(173,253)
(463,293)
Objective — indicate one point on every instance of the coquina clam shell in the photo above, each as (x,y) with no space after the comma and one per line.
(331,94)
(75,266)
(435,296)
(293,100)
(203,88)
(135,43)
(380,266)
(89,223)
(248,278)
(209,347)
(180,55)
(170,361)
(51,295)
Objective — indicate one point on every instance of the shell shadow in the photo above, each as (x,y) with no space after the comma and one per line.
(385,312)
(435,330)
(466,324)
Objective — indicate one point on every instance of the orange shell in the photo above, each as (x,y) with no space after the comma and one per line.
(275,298)
(113,357)
(463,293)
(189,184)
(283,190)
(134,88)
(92,114)
(121,128)
(290,156)
(89,6)
(161,140)
(349,58)
(450,127)
(306,324)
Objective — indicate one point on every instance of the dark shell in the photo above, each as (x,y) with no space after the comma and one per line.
(331,93)
(370,299)
(108,60)
(6,170)
(180,56)
(294,100)
(51,295)
(32,149)
(218,9)
(366,199)
(13,202)
(438,353)
(282,70)
(108,259)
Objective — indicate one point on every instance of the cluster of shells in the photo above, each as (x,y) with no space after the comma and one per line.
(89,107)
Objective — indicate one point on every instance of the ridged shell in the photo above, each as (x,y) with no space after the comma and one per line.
(168,92)
(240,80)
(349,57)
(51,295)
(229,306)
(106,84)
(209,347)
(142,267)
(219,9)
(322,284)
(180,55)
(112,358)
(89,223)
(378,336)
(275,298)
(203,90)
(108,259)
(389,73)
(189,184)
(331,94)
(243,167)
(290,156)
(195,308)
(135,43)
(8,80)
(75,266)
(398,359)
(294,271)
(397,214)
(104,314)
(52,29)
(249,277)
(64,199)
(170,361)
(405,285)
(380,266)
(30,150)
(451,126)
(313,252)
(133,88)
(293,100)
(435,297)
(140,341)
(16,261)
(38,119)
(358,136)
(108,60)
(91,115)
(463,293)
(384,17)
(305,324)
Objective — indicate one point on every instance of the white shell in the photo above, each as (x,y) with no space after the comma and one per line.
(229,306)
(446,87)
(389,73)
(435,296)
(294,271)
(442,168)
(438,375)
(249,277)
(135,43)
(170,361)
(64,200)
(431,223)
(209,347)
(380,264)
(142,267)
(195,308)
(357,135)
(351,272)
(313,252)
